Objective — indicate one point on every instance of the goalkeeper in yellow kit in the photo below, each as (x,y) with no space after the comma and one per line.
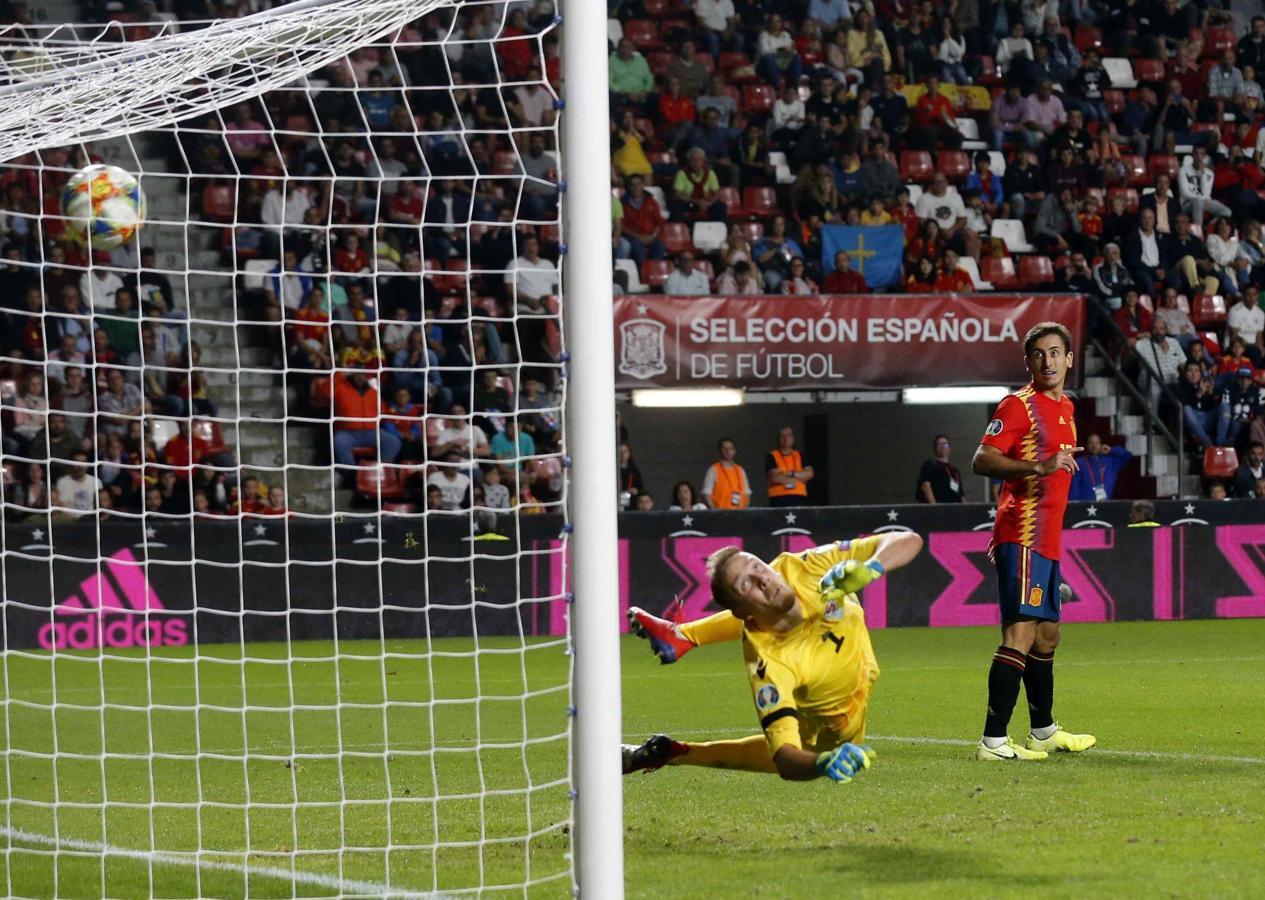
(807,651)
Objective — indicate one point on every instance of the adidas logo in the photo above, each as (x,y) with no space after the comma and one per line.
(112,610)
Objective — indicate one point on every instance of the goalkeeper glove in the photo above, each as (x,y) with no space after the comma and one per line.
(844,762)
(850,576)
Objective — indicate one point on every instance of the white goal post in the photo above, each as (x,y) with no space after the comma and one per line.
(258,634)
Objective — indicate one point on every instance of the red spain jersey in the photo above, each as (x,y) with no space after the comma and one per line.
(1029,425)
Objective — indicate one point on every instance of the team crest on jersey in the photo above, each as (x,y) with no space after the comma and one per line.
(767,696)
(833,612)
(994,428)
(1035,596)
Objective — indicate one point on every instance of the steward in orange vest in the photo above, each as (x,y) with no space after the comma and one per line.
(788,476)
(725,485)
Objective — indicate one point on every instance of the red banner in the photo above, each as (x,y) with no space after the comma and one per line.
(831,342)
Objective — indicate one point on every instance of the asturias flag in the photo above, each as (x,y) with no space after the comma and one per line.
(875,251)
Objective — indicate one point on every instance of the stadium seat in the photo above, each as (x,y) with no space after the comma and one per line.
(547,232)
(376,480)
(1146,71)
(1136,173)
(654,272)
(737,67)
(968,265)
(1000,272)
(676,237)
(760,202)
(453,280)
(1012,234)
(1130,197)
(705,59)
(752,231)
(954,165)
(1144,301)
(709,236)
(218,203)
(434,427)
(997,159)
(969,129)
(1184,305)
(659,196)
(486,306)
(644,34)
(1118,70)
(256,273)
(1114,101)
(1035,270)
(733,203)
(915,165)
(1211,343)
(1163,162)
(657,9)
(757,99)
(659,60)
(1087,36)
(1208,311)
(1217,41)
(320,392)
(987,71)
(1220,462)
(629,268)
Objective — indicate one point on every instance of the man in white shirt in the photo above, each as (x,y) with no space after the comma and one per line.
(76,491)
(946,207)
(685,280)
(1194,184)
(99,286)
(1246,320)
(1142,253)
(719,24)
(1160,356)
(452,482)
(461,437)
(531,277)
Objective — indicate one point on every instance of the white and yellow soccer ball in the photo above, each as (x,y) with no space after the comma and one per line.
(103,204)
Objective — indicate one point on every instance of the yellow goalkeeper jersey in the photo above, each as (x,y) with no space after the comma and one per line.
(811,685)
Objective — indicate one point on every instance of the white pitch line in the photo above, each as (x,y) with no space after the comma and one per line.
(961,742)
(343,886)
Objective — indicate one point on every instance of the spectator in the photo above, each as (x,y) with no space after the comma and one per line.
(1217,490)
(741,279)
(786,472)
(512,446)
(844,279)
(1101,465)
(686,280)
(628,144)
(99,284)
(643,221)
(935,121)
(645,503)
(1008,115)
(1013,49)
(1162,202)
(694,190)
(77,491)
(986,181)
(939,481)
(776,59)
(461,436)
(735,248)
(1186,260)
(1225,85)
(1133,318)
(246,136)
(1142,514)
(1088,85)
(789,116)
(1058,228)
(285,285)
(403,418)
(684,498)
(879,175)
(1111,278)
(1043,113)
(276,502)
(539,199)
(77,401)
(1250,472)
(1142,254)
(869,57)
(452,482)
(1246,320)
(434,498)
(55,441)
(718,23)
(495,494)
(1194,183)
(309,334)
(675,112)
(951,51)
(714,140)
(120,401)
(630,483)
(689,72)
(356,413)
(952,278)
(752,158)
(923,279)
(1243,400)
(774,252)
(1075,277)
(531,278)
(719,99)
(797,282)
(1023,185)
(1177,321)
(725,486)
(949,212)
(1162,357)
(629,74)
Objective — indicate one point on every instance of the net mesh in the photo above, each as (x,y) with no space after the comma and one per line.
(283,581)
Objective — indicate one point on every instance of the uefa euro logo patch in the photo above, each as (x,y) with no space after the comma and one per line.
(832,612)
(767,696)
(994,428)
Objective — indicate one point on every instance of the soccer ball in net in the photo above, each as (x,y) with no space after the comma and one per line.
(104,204)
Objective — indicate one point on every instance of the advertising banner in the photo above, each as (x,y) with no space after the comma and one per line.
(831,342)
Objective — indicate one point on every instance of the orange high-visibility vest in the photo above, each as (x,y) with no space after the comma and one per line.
(727,492)
(788,462)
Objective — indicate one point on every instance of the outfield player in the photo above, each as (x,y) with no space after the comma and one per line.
(807,651)
(1030,444)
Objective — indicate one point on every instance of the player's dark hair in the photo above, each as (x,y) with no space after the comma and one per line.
(1043,329)
(715,568)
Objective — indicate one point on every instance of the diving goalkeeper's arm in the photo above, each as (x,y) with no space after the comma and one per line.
(893,551)
(841,764)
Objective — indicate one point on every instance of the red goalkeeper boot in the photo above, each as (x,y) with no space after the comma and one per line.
(664,636)
(654,754)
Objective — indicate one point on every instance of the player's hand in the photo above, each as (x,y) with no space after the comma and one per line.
(851,575)
(843,763)
(1064,460)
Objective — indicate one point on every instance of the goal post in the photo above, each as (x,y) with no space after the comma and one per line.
(275,629)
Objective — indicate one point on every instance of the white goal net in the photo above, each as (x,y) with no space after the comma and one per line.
(283,549)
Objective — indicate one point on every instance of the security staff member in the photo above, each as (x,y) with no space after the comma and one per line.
(787,474)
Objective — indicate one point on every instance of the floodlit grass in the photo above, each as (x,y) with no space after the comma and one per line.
(381,757)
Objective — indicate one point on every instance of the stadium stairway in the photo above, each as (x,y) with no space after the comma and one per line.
(1103,408)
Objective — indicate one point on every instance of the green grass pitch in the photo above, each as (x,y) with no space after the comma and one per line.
(1171,803)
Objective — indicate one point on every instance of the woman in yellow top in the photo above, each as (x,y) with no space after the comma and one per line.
(867,49)
(626,148)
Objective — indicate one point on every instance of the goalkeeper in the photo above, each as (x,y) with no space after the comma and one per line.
(807,652)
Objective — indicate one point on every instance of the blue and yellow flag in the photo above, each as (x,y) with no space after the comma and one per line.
(875,251)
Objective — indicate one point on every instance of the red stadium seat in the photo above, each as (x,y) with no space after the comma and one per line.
(760,202)
(547,232)
(676,237)
(752,231)
(1220,462)
(1163,162)
(706,60)
(1210,341)
(1087,36)
(659,60)
(733,203)
(1217,41)
(999,271)
(435,426)
(1130,197)
(654,272)
(705,266)
(987,72)
(1208,311)
(376,480)
(643,33)
(1035,270)
(736,66)
(320,392)
(1148,70)
(1144,301)
(915,165)
(1136,174)
(1114,101)
(954,165)
(657,9)
(1205,128)
(453,280)
(218,203)
(661,158)
(757,99)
